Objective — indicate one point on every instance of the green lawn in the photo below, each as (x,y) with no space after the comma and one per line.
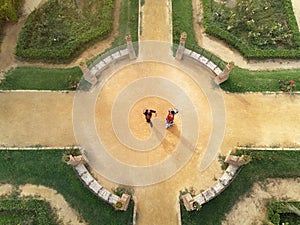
(45,167)
(242,80)
(34,78)
(264,164)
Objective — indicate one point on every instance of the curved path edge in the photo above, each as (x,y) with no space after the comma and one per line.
(65,213)
(251,208)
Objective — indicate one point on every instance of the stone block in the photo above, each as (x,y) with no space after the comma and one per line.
(80,169)
(124,52)
(116,55)
(231,169)
(225,179)
(188,202)
(235,160)
(218,187)
(195,55)
(187,51)
(87,178)
(217,71)
(208,194)
(200,199)
(95,187)
(203,60)
(211,65)
(104,194)
(125,198)
(113,199)
(108,59)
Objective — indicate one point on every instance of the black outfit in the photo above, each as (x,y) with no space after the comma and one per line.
(148,114)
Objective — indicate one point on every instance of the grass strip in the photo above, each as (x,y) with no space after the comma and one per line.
(264,164)
(46,168)
(34,78)
(242,80)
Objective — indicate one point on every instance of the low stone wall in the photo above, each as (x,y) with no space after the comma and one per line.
(203,60)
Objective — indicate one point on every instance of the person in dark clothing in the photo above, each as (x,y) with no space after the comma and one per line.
(148,115)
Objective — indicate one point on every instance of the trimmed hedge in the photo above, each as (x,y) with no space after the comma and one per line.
(9,10)
(275,209)
(59,29)
(250,51)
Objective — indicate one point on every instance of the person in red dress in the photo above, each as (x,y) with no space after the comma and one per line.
(170,117)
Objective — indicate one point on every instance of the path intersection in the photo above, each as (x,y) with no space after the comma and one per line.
(123,149)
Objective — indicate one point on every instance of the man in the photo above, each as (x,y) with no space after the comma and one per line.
(148,114)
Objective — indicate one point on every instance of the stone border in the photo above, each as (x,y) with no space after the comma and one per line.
(37,91)
(39,148)
(218,187)
(235,163)
(92,184)
(203,60)
(268,148)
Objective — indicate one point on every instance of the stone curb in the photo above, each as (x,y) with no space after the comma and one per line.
(264,92)
(36,91)
(39,148)
(268,149)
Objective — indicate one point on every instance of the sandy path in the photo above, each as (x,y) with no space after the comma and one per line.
(28,119)
(65,213)
(225,52)
(251,208)
(156,21)
(262,120)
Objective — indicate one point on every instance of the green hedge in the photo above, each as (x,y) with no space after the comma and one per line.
(250,51)
(128,24)
(275,209)
(9,10)
(59,30)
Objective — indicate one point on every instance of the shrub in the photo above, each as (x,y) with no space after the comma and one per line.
(9,10)
(59,30)
(258,29)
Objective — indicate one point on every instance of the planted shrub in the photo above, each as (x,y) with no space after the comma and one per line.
(9,10)
(60,29)
(258,29)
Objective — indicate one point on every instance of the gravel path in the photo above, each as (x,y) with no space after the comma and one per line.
(246,122)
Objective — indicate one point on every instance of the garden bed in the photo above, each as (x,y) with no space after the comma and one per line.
(59,30)
(258,29)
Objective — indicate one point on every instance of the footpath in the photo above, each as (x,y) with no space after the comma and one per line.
(29,119)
